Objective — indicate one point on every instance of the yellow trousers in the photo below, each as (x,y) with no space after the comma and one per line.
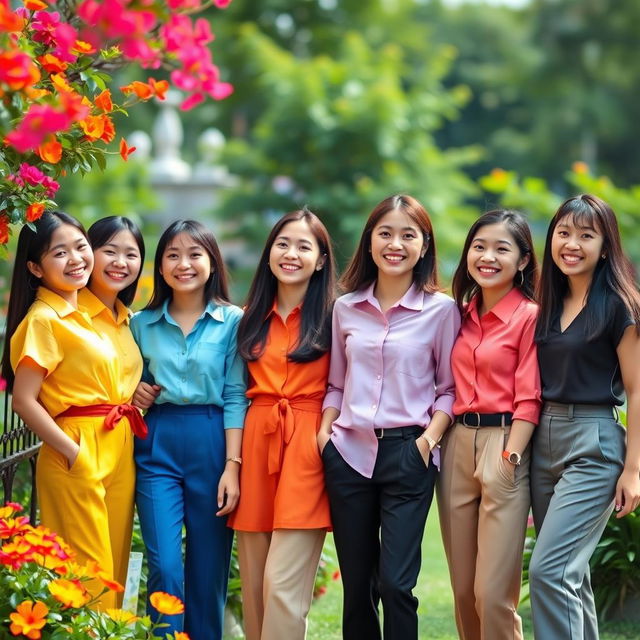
(91,504)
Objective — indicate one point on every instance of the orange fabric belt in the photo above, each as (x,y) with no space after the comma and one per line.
(281,424)
(114,413)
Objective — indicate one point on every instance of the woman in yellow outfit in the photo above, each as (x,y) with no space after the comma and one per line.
(68,386)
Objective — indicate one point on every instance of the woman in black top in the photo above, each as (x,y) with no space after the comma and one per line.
(588,350)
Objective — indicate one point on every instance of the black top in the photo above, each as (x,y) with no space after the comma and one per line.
(575,371)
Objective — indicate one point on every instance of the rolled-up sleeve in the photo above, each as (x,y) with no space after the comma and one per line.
(235,382)
(445,339)
(338,365)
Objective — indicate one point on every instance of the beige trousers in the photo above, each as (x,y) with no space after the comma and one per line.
(483,507)
(278,572)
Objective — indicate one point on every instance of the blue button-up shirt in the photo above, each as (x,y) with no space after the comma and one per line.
(201,368)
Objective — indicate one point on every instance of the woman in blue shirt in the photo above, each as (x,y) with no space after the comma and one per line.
(194,384)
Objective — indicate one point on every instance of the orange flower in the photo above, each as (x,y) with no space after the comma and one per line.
(580,167)
(9,21)
(35,5)
(10,527)
(103,101)
(120,615)
(50,151)
(166,603)
(13,554)
(28,619)
(181,635)
(93,127)
(109,132)
(141,89)
(81,47)
(34,211)
(125,149)
(9,509)
(59,81)
(159,88)
(4,238)
(51,63)
(69,593)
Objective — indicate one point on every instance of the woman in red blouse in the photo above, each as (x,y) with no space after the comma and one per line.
(483,488)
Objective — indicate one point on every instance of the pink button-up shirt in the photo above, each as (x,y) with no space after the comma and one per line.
(495,362)
(388,369)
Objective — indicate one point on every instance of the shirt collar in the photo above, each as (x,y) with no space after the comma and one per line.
(56,302)
(212,309)
(94,306)
(413,298)
(274,309)
(503,310)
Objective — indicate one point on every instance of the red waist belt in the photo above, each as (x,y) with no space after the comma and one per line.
(114,413)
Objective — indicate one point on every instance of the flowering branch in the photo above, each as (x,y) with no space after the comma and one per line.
(56,58)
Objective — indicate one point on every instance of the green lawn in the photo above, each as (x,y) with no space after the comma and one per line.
(434,593)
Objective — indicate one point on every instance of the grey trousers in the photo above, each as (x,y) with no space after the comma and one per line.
(577,457)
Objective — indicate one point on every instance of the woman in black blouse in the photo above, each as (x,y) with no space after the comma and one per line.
(588,350)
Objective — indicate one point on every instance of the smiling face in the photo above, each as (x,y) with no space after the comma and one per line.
(116,264)
(397,244)
(186,265)
(576,249)
(494,259)
(295,254)
(66,265)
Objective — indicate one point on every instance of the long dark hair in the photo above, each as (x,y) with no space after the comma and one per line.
(362,271)
(315,324)
(216,288)
(101,232)
(32,245)
(464,287)
(613,276)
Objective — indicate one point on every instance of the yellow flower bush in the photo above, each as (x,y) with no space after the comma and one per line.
(43,592)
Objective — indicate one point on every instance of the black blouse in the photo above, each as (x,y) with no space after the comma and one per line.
(575,371)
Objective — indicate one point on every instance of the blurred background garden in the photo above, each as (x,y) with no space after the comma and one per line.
(466,105)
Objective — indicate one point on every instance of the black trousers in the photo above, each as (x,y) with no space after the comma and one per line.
(378,524)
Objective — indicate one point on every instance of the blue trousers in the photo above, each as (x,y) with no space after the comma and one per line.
(178,469)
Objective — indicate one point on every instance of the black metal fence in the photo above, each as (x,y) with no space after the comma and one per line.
(19,444)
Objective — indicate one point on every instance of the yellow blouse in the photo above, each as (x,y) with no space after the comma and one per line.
(83,366)
(118,331)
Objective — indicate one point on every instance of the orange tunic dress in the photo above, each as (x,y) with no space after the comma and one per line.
(282,477)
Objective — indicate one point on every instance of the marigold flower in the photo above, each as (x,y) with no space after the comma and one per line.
(166,603)
(50,151)
(181,635)
(28,619)
(122,616)
(10,527)
(69,592)
(103,101)
(125,149)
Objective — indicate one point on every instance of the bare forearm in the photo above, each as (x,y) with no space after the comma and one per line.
(329,416)
(519,436)
(440,422)
(632,458)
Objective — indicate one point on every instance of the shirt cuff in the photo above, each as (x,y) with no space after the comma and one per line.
(234,419)
(444,403)
(528,410)
(333,399)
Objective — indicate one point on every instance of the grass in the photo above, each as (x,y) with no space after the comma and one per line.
(433,590)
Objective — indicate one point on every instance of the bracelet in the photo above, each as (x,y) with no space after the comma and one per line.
(430,441)
(234,459)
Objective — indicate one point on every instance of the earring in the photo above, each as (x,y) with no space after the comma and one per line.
(521,271)
(604,256)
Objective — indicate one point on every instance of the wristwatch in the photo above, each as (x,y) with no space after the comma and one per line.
(430,441)
(512,457)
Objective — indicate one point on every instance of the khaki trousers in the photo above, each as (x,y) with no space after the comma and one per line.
(278,572)
(483,508)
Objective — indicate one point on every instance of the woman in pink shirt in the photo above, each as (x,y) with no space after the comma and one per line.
(390,400)
(483,488)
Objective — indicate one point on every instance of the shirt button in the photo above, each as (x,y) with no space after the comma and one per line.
(378,377)
(184,353)
(373,406)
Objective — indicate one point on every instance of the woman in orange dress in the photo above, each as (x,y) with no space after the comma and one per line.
(283,513)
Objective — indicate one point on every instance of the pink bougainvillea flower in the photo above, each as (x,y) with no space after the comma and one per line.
(31,174)
(39,121)
(192,101)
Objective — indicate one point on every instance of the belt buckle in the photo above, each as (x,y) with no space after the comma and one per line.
(464,419)
(381,429)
